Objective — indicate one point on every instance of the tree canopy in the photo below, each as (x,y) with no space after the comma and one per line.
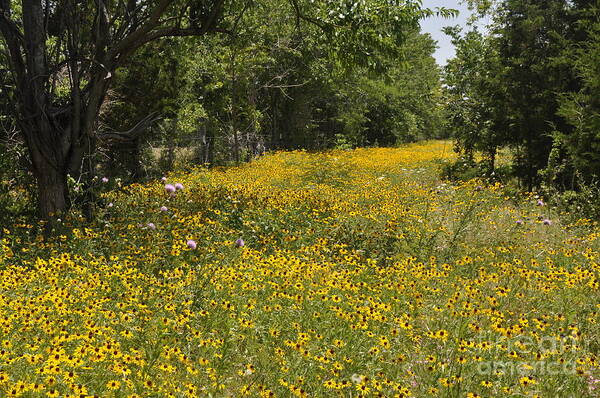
(528,84)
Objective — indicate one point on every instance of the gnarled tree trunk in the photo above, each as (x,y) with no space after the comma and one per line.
(53,192)
(88,41)
(51,151)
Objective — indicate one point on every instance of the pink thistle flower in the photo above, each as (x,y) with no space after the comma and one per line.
(240,243)
(163,208)
(169,188)
(191,244)
(178,186)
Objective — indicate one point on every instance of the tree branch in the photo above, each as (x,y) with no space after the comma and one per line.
(132,40)
(148,32)
(325,27)
(14,41)
(180,32)
(133,133)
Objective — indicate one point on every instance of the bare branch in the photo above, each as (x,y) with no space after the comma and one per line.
(149,32)
(133,133)
(137,36)
(180,32)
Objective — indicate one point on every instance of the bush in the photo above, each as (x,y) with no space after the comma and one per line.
(584,202)
(463,169)
(16,184)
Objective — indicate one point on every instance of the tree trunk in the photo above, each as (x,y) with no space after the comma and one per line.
(234,109)
(53,192)
(48,155)
(492,160)
(210,142)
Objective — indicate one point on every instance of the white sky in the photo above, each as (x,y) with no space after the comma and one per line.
(433,26)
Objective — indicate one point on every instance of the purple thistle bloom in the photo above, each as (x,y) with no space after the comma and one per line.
(178,186)
(519,222)
(163,179)
(169,188)
(105,179)
(547,222)
(191,244)
(540,202)
(240,243)
(163,208)
(151,225)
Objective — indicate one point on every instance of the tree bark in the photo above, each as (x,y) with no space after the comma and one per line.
(47,156)
(53,192)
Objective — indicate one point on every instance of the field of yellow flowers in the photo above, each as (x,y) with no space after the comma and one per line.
(347,273)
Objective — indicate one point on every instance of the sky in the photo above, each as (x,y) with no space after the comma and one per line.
(434,26)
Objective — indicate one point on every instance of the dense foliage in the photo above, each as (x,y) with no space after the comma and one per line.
(530,83)
(273,87)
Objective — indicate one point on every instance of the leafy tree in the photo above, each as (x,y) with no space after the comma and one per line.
(520,85)
(530,39)
(132,99)
(581,108)
(402,105)
(62,57)
(475,96)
